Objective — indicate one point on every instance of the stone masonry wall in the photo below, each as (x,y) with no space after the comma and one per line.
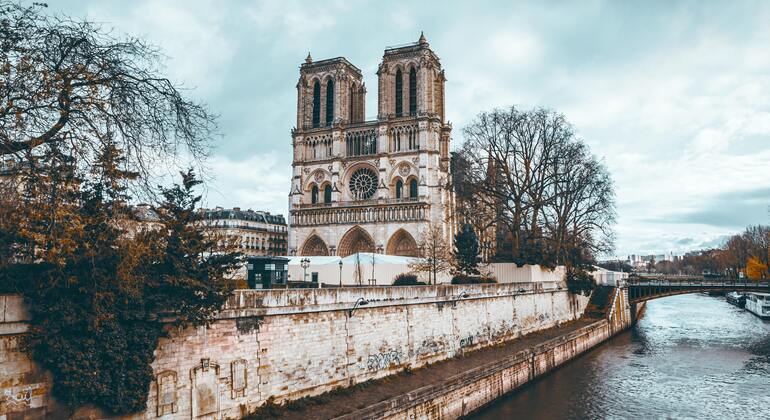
(287,344)
(471,390)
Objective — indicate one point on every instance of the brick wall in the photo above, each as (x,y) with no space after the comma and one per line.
(287,344)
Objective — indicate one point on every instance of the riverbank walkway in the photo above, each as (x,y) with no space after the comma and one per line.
(346,401)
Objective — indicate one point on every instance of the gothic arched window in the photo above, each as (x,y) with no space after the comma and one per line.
(329,102)
(399,93)
(412,92)
(328,194)
(413,188)
(314,195)
(316,104)
(399,189)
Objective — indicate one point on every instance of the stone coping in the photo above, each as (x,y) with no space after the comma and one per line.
(255,303)
(251,303)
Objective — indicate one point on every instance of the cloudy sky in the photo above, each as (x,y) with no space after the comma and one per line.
(674,96)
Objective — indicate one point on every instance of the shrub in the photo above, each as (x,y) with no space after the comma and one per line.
(463,279)
(407,279)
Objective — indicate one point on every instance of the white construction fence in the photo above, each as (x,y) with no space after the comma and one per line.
(377,269)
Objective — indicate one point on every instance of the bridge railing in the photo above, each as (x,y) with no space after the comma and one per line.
(698,282)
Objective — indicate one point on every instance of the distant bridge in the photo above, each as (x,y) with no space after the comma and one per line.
(641,289)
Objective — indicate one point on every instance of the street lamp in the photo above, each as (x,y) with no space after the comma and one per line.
(340,272)
(360,302)
(305,263)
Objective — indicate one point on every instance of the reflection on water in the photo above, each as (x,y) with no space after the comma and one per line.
(690,356)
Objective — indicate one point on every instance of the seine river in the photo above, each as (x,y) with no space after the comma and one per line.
(690,356)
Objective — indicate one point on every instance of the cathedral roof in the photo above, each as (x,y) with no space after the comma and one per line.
(329,62)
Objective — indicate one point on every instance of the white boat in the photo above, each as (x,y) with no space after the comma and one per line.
(758,304)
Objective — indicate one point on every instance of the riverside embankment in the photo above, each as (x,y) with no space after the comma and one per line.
(282,345)
(462,385)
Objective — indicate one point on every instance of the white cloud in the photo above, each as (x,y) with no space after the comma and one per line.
(259,182)
(190,34)
(673,97)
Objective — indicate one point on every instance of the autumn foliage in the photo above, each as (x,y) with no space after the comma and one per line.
(756,269)
(84,119)
(747,252)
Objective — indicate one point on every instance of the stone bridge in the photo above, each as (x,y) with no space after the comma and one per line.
(641,289)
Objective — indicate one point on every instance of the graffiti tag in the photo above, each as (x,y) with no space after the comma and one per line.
(383,360)
(466,342)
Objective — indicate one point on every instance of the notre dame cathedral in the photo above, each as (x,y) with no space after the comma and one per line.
(370,186)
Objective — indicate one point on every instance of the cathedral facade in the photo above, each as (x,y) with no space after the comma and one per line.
(370,186)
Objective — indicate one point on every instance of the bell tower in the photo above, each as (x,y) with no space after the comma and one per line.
(370,186)
(411,82)
(329,92)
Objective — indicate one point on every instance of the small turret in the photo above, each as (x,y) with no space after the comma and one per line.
(422,40)
(309,59)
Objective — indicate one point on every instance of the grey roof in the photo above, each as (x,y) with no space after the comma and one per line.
(238,214)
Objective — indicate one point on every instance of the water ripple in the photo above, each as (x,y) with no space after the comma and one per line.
(691,356)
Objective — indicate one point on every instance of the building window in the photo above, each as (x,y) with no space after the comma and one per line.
(328,194)
(399,93)
(316,104)
(361,143)
(329,102)
(413,188)
(412,92)
(314,195)
(399,189)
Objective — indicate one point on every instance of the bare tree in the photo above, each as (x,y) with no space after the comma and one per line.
(73,84)
(435,254)
(553,201)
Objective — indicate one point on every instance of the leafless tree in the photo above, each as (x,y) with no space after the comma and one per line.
(74,84)
(552,200)
(435,254)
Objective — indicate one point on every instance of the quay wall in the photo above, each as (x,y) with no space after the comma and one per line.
(288,344)
(471,390)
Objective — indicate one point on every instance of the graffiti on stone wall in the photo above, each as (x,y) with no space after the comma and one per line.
(384,360)
(503,330)
(21,398)
(428,346)
(466,342)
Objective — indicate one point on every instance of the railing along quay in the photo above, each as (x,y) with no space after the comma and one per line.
(641,289)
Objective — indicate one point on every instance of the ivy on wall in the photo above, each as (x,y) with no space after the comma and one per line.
(101,286)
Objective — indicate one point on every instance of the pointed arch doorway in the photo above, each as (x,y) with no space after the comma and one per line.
(403,244)
(355,240)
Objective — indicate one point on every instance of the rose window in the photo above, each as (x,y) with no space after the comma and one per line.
(363,184)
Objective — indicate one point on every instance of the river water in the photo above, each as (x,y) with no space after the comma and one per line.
(690,356)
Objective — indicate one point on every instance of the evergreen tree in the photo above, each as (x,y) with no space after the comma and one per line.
(100,296)
(466,251)
(186,276)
